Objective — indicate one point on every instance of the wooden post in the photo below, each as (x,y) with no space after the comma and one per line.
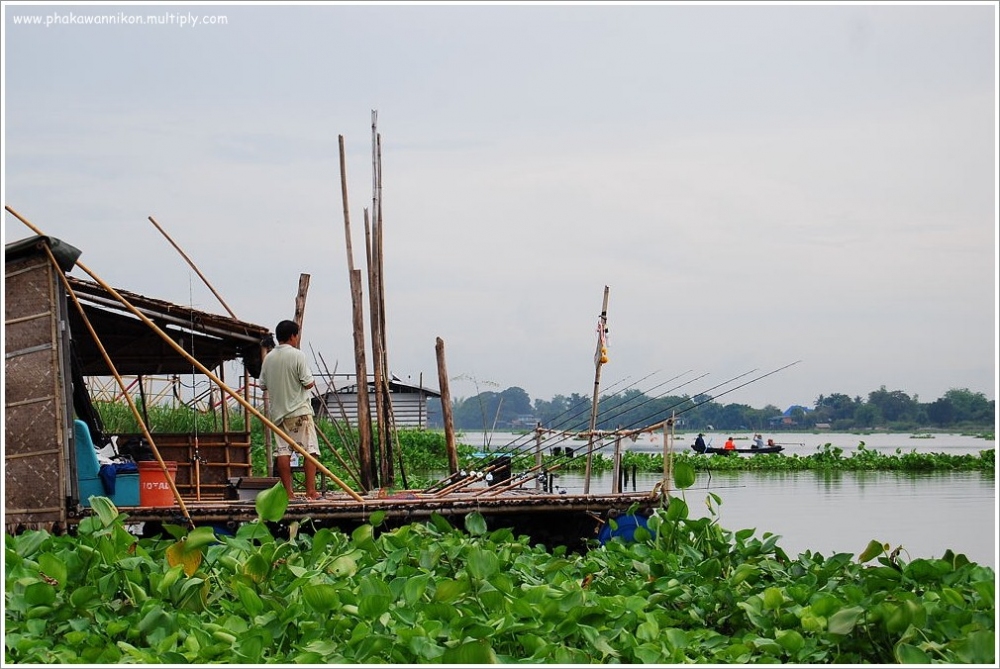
(666,451)
(300,300)
(369,475)
(538,450)
(617,463)
(449,426)
(366,448)
(599,359)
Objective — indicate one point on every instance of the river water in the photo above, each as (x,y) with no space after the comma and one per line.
(830,512)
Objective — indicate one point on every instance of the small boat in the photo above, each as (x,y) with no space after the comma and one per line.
(724,451)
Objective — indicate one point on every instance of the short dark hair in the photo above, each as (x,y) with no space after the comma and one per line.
(286,330)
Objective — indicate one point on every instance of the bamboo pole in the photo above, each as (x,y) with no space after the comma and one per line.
(369,475)
(599,359)
(345,434)
(384,449)
(389,415)
(225,405)
(192,265)
(204,370)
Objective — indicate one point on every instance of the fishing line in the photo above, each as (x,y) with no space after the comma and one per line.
(518,449)
(601,445)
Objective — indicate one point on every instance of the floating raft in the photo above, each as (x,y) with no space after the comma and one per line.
(558,519)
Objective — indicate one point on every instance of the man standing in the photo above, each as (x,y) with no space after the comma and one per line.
(287,379)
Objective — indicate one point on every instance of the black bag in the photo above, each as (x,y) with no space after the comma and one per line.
(136,448)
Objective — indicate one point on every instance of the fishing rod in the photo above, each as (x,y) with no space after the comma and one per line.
(472,477)
(559,463)
(450,481)
(464,478)
(524,477)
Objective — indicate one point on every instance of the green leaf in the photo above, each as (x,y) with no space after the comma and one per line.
(39,594)
(449,590)
(28,543)
(272,503)
(676,638)
(251,602)
(844,620)
(471,652)
(84,597)
(648,631)
(874,549)
(773,598)
(344,567)
(256,567)
(414,588)
(482,563)
(684,475)
(362,535)
(374,598)
(908,654)
(710,568)
(677,509)
(53,567)
(200,536)
(743,572)
(766,645)
(105,510)
(377,517)
(475,524)
(321,597)
(790,640)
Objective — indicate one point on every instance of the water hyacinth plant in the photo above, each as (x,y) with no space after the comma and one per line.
(686,590)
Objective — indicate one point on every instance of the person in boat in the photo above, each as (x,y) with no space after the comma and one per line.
(699,443)
(730,444)
(770,443)
(758,441)
(286,377)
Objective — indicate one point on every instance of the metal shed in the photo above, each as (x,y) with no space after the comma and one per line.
(409,403)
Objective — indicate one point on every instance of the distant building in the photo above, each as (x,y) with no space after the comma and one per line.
(787,418)
(409,403)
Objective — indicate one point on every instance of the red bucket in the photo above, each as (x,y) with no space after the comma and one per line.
(154,489)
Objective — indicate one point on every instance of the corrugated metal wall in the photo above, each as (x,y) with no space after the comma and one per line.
(409,409)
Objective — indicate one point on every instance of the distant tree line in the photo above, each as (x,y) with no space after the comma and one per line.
(512,409)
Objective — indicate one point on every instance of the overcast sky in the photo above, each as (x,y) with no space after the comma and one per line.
(757,185)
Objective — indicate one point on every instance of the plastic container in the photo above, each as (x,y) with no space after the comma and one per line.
(154,490)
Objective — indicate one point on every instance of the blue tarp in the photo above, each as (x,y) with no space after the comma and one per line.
(108,474)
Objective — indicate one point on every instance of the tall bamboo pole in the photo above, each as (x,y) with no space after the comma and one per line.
(369,472)
(599,359)
(195,268)
(384,458)
(392,437)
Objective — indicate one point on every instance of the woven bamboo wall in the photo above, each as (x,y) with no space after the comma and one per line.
(35,439)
